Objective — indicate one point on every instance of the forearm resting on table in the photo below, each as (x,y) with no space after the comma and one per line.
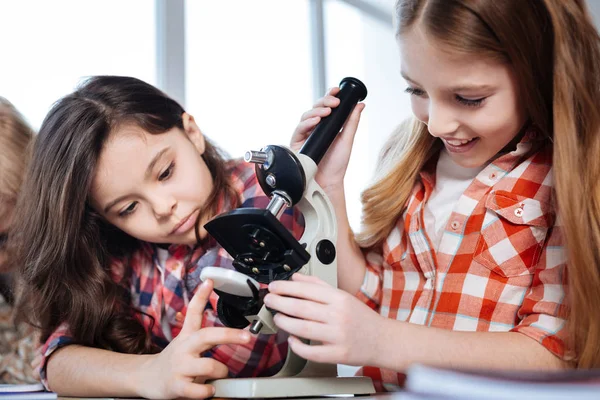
(351,263)
(84,371)
(404,344)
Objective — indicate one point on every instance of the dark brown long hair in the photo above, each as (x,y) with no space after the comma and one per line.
(62,247)
(554,49)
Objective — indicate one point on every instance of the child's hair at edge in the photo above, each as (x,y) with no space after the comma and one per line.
(554,49)
(15,139)
(61,246)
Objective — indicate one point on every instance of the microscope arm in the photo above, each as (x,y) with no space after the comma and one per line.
(262,248)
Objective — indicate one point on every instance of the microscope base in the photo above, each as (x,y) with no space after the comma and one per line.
(273,387)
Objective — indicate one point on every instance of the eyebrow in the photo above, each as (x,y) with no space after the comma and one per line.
(151,166)
(460,88)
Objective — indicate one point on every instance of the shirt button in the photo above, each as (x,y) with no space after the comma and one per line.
(519,212)
(454,225)
(493,176)
(179,317)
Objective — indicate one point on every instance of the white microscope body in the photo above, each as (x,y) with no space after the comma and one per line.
(264,251)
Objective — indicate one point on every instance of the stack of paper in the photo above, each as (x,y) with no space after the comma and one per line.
(25,392)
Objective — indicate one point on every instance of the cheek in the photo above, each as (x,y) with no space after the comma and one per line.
(492,123)
(192,185)
(204,180)
(420,109)
(134,223)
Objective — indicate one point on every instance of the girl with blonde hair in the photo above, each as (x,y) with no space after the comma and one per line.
(481,205)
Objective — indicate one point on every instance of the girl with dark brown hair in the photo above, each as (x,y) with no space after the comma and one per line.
(480,203)
(109,239)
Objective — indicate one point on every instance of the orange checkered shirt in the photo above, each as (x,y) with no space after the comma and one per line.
(500,265)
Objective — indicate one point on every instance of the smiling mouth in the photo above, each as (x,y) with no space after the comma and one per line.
(459,142)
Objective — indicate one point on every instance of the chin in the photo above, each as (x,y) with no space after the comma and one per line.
(469,162)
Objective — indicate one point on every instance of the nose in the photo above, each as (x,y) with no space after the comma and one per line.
(164,206)
(441,121)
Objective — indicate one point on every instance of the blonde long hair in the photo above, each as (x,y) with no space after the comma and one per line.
(554,50)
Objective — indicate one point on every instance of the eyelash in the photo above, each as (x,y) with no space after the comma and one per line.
(461,100)
(129,210)
(168,171)
(166,174)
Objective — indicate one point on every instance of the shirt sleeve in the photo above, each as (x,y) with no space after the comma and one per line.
(264,355)
(543,312)
(370,292)
(60,338)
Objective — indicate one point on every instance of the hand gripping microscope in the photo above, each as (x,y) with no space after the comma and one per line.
(263,250)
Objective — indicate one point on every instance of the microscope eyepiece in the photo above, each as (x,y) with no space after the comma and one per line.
(351,92)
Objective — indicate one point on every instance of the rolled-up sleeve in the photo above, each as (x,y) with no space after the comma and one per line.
(60,338)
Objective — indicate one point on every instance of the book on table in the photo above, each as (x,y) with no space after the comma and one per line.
(466,384)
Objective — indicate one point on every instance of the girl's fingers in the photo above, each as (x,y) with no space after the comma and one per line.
(304,128)
(190,390)
(303,309)
(208,338)
(305,329)
(308,278)
(352,124)
(327,101)
(196,306)
(316,112)
(206,368)
(332,91)
(193,318)
(326,353)
(305,290)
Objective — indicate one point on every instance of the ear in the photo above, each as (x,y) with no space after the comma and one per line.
(193,132)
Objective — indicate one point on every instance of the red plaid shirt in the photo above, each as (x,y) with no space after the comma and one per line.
(500,265)
(263,356)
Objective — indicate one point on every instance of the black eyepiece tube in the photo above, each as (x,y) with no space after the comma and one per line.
(351,92)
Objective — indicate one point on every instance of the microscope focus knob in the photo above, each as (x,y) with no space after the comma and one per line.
(264,158)
(257,157)
(325,251)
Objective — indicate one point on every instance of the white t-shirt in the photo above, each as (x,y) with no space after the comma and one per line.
(451,181)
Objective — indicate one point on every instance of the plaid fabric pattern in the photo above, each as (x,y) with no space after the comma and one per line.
(500,265)
(263,356)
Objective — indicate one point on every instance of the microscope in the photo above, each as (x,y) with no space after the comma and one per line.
(263,250)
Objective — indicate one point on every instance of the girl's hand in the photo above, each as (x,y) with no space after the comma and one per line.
(332,167)
(179,371)
(311,309)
